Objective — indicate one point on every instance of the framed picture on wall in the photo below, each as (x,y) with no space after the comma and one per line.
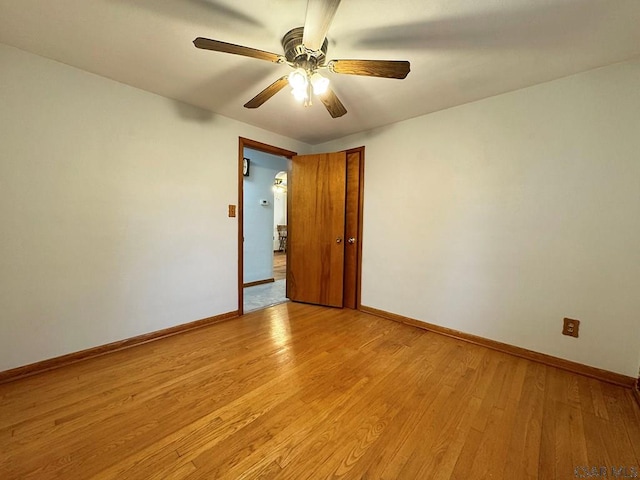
(245,166)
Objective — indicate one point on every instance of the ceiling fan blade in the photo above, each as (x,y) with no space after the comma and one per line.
(372,68)
(320,13)
(267,93)
(218,46)
(333,104)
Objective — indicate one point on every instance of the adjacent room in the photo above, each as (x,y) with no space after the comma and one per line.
(319,239)
(265,229)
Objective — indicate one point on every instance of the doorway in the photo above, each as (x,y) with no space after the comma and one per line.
(280,230)
(264,225)
(258,166)
(350,171)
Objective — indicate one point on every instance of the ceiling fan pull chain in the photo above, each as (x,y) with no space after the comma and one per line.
(308,102)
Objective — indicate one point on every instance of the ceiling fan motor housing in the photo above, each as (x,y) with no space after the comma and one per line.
(297,54)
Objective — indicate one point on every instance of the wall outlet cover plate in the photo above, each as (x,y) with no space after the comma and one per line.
(571,327)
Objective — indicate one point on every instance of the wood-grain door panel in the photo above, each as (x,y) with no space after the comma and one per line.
(353,227)
(316,229)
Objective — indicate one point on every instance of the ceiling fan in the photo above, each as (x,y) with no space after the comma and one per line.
(305,50)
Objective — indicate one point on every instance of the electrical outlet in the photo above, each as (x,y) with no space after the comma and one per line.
(571,327)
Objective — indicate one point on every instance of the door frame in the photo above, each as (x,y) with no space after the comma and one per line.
(261,147)
(266,148)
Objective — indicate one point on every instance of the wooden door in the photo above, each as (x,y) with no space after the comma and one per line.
(353,227)
(316,229)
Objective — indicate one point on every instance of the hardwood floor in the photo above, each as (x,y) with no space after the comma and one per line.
(279,265)
(298,391)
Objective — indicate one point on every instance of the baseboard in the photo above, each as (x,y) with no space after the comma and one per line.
(57,362)
(258,282)
(574,367)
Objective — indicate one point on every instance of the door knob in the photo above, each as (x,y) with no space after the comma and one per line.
(339,240)
(352,240)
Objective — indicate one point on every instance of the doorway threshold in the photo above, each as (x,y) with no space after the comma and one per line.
(266,295)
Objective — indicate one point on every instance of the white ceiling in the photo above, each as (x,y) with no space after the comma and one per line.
(460,50)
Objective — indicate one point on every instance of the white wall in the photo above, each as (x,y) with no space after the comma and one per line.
(258,218)
(497,218)
(501,217)
(113,206)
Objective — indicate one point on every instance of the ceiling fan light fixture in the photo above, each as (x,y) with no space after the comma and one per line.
(305,50)
(298,79)
(300,94)
(320,84)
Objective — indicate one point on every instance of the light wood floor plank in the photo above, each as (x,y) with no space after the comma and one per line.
(524,445)
(297,391)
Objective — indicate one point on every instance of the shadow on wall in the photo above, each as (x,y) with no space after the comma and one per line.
(193,114)
(220,93)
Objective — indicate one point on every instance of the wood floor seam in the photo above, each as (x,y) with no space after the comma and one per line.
(297,391)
